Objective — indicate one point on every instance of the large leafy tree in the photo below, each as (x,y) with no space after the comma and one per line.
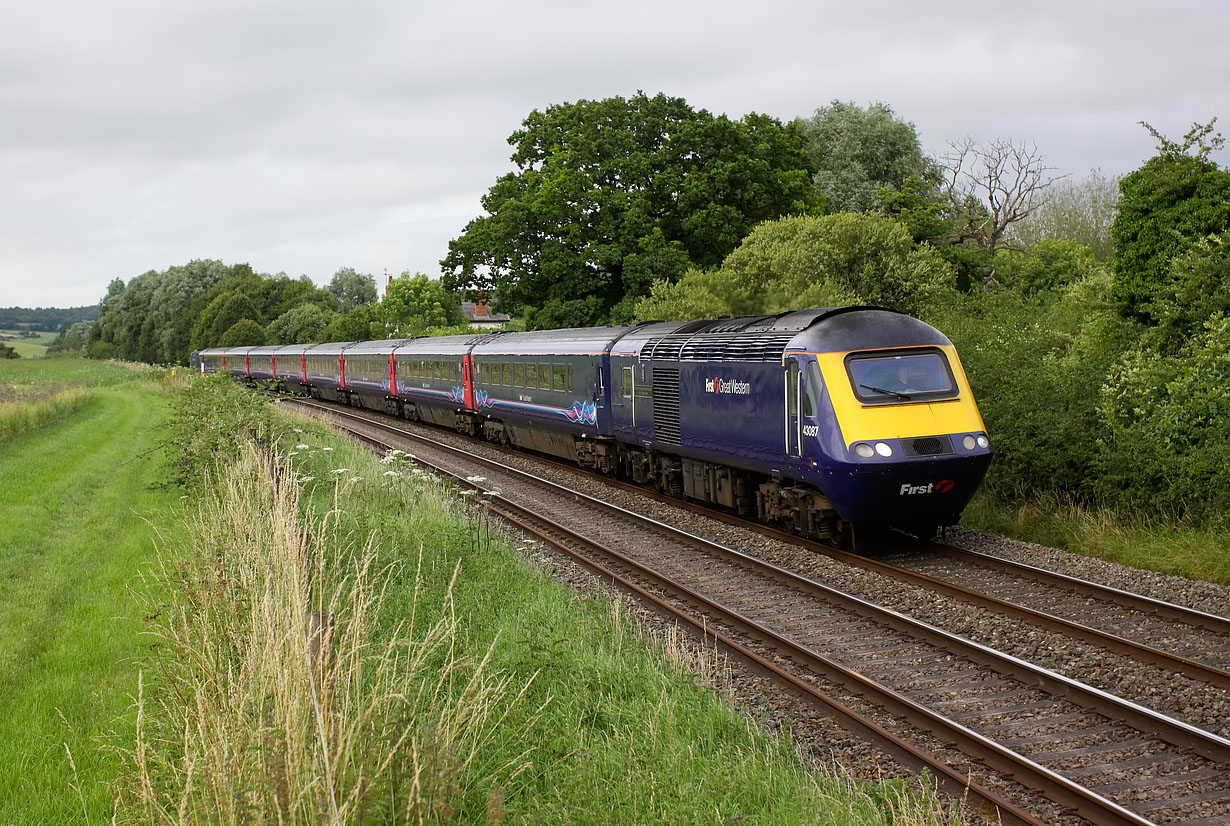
(1177,198)
(413,305)
(151,317)
(304,324)
(611,195)
(857,152)
(352,289)
(811,261)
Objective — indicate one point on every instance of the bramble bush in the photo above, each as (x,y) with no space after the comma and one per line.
(214,418)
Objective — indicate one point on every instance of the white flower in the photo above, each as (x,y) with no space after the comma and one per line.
(391,473)
(298,430)
(476,478)
(491,493)
(342,470)
(326,448)
(303,447)
(304,479)
(356,478)
(292,453)
(388,459)
(467,493)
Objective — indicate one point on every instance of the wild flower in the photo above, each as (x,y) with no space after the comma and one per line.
(468,492)
(356,478)
(292,453)
(303,447)
(326,448)
(491,493)
(341,470)
(391,473)
(304,479)
(476,478)
(297,429)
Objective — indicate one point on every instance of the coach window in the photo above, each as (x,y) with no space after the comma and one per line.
(544,376)
(627,382)
(531,376)
(570,378)
(518,375)
(561,378)
(508,374)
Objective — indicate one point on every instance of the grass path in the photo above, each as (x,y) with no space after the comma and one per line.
(77,520)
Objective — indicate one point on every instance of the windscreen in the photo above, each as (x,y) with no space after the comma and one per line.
(905,376)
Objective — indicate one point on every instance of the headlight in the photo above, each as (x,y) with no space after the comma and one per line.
(883,449)
(984,442)
(969,442)
(864,450)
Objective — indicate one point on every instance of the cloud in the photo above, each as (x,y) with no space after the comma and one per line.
(302,137)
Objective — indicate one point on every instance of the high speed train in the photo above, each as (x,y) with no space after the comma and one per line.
(817,420)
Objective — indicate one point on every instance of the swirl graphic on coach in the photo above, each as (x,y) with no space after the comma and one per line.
(582,413)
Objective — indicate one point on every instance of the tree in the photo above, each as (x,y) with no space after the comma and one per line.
(612,195)
(305,324)
(7,352)
(414,304)
(352,289)
(1051,266)
(1081,211)
(222,314)
(857,152)
(811,261)
(243,333)
(1177,198)
(991,187)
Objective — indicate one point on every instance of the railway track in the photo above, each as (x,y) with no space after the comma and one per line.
(1107,759)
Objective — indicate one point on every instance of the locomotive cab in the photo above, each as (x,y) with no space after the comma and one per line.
(893,422)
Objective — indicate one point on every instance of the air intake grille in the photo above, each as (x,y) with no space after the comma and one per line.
(666,405)
(736,346)
(927,446)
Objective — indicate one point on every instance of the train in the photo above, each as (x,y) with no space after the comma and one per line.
(824,422)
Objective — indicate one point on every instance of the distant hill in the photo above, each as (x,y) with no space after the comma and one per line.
(51,319)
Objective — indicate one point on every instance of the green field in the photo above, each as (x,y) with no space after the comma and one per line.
(29,347)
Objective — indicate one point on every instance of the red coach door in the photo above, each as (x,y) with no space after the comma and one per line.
(467,376)
(303,366)
(247,365)
(392,375)
(341,368)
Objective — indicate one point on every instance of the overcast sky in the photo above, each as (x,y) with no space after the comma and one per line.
(307,136)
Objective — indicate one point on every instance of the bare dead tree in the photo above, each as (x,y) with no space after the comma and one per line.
(993,186)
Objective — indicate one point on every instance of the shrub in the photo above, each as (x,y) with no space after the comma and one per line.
(1168,423)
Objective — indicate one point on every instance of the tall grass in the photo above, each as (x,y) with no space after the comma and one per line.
(1155,543)
(279,699)
(34,410)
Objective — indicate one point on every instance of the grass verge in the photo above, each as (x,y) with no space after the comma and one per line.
(1153,544)
(351,640)
(77,520)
